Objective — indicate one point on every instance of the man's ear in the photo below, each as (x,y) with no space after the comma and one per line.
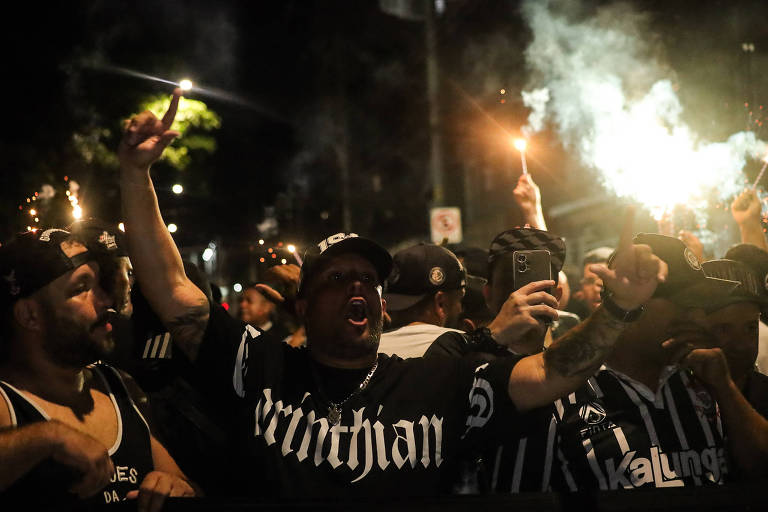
(383,306)
(467,325)
(28,314)
(439,301)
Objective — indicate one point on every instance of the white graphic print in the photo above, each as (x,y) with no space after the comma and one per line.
(306,436)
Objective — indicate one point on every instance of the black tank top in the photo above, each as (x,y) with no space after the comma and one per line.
(46,485)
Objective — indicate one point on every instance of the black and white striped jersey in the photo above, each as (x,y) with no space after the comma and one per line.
(616,433)
(522,460)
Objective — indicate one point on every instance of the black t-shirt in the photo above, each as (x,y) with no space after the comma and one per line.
(398,437)
(519,458)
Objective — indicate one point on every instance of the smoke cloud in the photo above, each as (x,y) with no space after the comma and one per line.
(596,80)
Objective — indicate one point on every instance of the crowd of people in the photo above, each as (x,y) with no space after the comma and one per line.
(432,371)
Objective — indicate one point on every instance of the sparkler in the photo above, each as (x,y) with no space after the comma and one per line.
(762,171)
(185,84)
(520,145)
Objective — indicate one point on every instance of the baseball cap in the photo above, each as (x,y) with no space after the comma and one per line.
(422,270)
(343,243)
(687,285)
(752,286)
(32,260)
(99,236)
(752,256)
(528,239)
(474,259)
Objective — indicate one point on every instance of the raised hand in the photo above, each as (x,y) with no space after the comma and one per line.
(634,272)
(746,207)
(521,314)
(146,137)
(527,194)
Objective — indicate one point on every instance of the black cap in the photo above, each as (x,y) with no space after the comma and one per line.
(528,239)
(475,259)
(752,256)
(343,243)
(420,271)
(99,236)
(752,286)
(32,260)
(686,284)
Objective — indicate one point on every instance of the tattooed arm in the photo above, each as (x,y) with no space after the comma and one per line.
(540,379)
(181,306)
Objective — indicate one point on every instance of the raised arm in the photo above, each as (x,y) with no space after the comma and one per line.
(181,306)
(540,379)
(528,197)
(747,213)
(746,429)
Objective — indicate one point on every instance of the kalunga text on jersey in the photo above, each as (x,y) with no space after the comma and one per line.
(663,469)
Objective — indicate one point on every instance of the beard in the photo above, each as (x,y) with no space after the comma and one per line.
(72,344)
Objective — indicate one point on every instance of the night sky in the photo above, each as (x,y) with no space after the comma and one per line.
(316,75)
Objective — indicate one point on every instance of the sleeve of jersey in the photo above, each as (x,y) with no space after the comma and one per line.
(451,344)
(490,410)
(228,346)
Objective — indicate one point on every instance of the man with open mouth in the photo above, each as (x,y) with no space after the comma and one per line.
(337,419)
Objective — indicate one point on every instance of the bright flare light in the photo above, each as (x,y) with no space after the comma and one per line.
(121,227)
(291,248)
(520,144)
(261,242)
(283,261)
(177,189)
(237,287)
(33,212)
(636,139)
(207,254)
(173,228)
(185,84)
(77,212)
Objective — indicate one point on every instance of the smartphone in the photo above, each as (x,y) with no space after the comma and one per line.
(532,266)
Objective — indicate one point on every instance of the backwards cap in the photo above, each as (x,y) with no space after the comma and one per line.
(32,260)
(343,243)
(528,239)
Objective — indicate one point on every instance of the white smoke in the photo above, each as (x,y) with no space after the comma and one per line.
(595,79)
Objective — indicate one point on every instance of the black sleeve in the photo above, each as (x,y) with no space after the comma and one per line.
(475,346)
(451,344)
(227,346)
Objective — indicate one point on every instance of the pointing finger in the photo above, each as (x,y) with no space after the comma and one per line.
(170,115)
(627,231)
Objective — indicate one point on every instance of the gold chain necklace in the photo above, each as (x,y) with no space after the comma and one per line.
(334,409)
